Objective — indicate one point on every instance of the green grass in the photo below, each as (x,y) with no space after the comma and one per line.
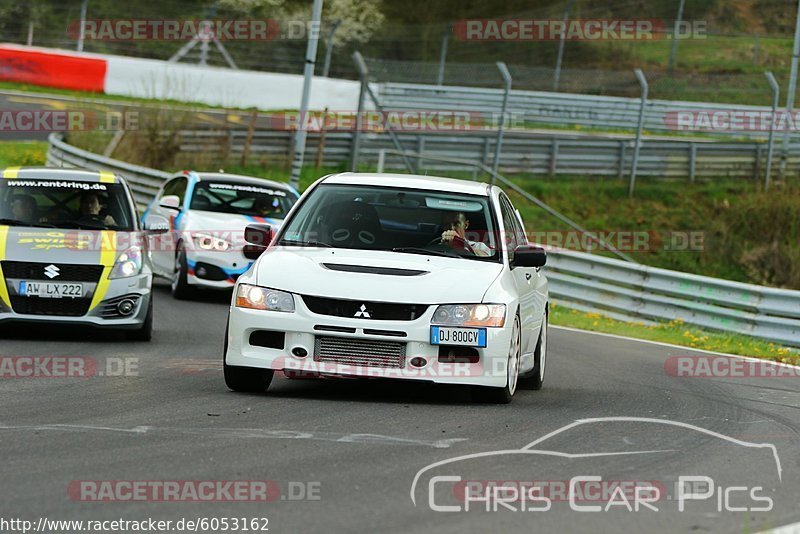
(22,153)
(677,333)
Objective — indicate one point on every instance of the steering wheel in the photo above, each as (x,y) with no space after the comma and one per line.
(458,242)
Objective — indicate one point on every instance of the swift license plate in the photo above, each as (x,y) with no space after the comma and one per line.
(467,337)
(50,290)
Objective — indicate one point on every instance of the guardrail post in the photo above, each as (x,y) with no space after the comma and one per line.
(643,83)
(381,160)
(420,151)
(554,157)
(776,93)
(692,161)
(499,144)
(757,162)
(623,145)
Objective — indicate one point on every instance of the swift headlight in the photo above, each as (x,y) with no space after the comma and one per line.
(263,298)
(469,315)
(128,264)
(209,242)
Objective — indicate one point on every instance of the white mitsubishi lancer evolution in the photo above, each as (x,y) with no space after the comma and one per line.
(394,276)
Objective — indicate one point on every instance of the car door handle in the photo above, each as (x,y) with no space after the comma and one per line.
(527,276)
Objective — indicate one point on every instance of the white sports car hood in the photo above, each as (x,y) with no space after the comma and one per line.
(375,275)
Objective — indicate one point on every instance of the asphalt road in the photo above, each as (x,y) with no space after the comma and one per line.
(356,446)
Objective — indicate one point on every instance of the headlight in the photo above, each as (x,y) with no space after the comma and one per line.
(128,264)
(209,242)
(469,315)
(263,298)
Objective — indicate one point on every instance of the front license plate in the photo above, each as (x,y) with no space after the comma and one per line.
(468,337)
(50,290)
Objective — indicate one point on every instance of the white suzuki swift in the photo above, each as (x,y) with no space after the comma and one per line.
(395,276)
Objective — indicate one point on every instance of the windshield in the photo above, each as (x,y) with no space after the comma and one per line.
(55,203)
(395,219)
(242,199)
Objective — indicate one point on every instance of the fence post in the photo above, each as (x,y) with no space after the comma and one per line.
(82,29)
(692,161)
(675,29)
(561,42)
(776,93)
(381,160)
(643,84)
(329,48)
(757,162)
(622,150)
(321,140)
(251,127)
(499,144)
(363,75)
(443,55)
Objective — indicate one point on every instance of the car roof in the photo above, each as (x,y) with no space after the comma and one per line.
(240,179)
(58,173)
(410,181)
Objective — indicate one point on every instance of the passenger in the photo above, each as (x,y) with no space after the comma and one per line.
(90,210)
(458,223)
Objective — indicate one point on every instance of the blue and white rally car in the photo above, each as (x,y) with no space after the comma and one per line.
(208,213)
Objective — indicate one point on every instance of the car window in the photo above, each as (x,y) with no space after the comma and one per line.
(511,225)
(242,199)
(395,219)
(66,204)
(176,187)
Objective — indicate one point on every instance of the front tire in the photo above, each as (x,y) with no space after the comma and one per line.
(504,395)
(535,380)
(145,333)
(244,379)
(181,289)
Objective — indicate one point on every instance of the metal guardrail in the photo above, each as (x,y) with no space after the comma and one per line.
(144,182)
(616,288)
(634,292)
(563,109)
(522,152)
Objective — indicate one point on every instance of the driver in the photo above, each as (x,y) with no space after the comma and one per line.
(265,206)
(90,210)
(458,223)
(23,208)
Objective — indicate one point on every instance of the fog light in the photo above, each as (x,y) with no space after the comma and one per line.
(125,307)
(300,352)
(418,362)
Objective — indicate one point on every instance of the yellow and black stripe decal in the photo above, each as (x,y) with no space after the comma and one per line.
(11,172)
(108,255)
(3,287)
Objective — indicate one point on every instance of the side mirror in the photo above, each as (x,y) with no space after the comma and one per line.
(529,256)
(156,224)
(259,237)
(170,202)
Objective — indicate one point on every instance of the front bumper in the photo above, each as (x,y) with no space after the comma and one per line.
(138,286)
(215,270)
(300,332)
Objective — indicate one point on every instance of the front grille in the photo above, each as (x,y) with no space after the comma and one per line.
(360,352)
(382,311)
(24,270)
(76,307)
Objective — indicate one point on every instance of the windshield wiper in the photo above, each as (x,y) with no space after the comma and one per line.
(419,250)
(293,243)
(17,222)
